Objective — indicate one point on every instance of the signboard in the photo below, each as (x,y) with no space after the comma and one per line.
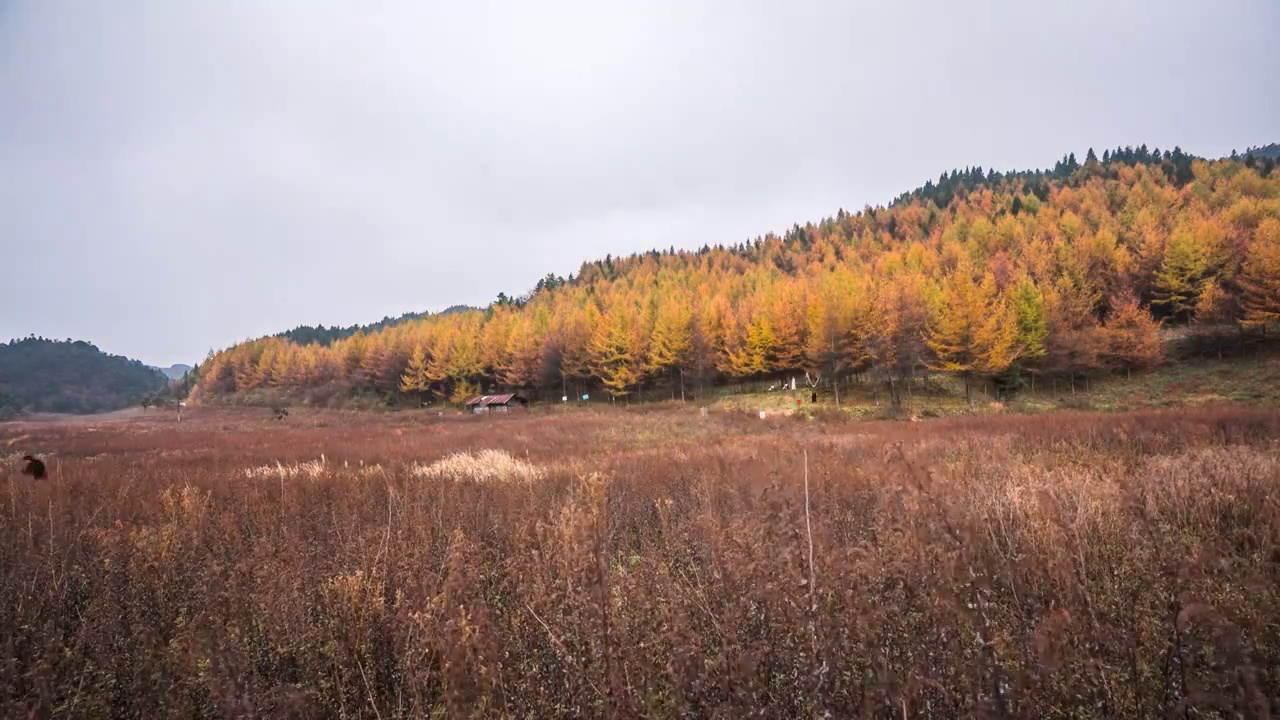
(586,397)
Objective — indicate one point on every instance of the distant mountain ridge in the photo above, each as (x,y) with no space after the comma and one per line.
(72,376)
(325,336)
(1264,152)
(173,372)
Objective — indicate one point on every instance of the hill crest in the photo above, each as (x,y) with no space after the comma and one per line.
(38,375)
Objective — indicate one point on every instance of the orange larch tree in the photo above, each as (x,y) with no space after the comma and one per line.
(1260,276)
(1131,338)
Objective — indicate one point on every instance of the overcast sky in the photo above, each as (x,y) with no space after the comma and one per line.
(179,175)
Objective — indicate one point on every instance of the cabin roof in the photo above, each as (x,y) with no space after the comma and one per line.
(487,400)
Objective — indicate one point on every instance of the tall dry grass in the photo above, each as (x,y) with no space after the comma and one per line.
(645,564)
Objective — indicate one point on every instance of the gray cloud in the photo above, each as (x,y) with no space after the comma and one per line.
(188,174)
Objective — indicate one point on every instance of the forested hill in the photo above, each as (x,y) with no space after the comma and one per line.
(1265,152)
(39,375)
(991,276)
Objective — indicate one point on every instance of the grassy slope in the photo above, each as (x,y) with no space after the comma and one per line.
(1249,380)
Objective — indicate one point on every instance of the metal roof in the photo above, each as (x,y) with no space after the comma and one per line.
(486,400)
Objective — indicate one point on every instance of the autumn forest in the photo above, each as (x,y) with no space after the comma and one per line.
(1001,279)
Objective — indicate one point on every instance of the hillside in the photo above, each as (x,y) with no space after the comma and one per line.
(39,375)
(998,279)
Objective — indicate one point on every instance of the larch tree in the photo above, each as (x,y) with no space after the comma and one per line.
(284,371)
(1074,341)
(760,347)
(301,367)
(464,355)
(1178,282)
(868,339)
(542,355)
(672,340)
(613,349)
(307,368)
(352,351)
(371,364)
(314,366)
(328,367)
(438,360)
(1026,300)
(787,322)
(734,357)
(1214,305)
(702,344)
(906,321)
(456,362)
(395,356)
(851,325)
(523,355)
(416,380)
(1260,276)
(1131,337)
(493,342)
(261,376)
(830,333)
(577,320)
(972,333)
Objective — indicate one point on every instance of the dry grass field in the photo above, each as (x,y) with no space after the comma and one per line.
(646,563)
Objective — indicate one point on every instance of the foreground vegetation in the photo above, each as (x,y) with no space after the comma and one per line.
(644,564)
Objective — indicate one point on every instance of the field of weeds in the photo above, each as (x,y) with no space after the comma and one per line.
(643,564)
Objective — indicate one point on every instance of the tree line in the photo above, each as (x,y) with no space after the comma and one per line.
(994,277)
(321,335)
